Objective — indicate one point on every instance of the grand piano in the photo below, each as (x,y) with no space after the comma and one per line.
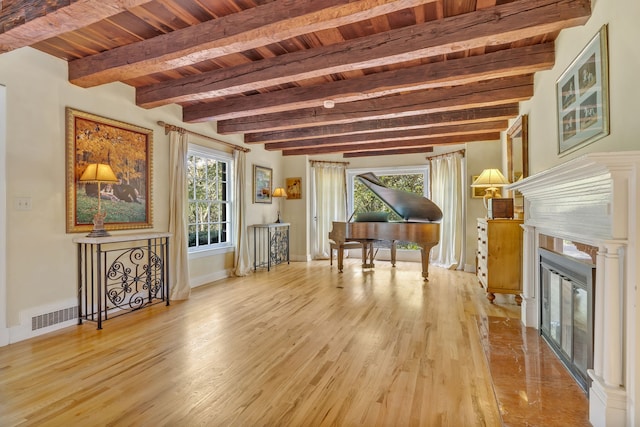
(420,224)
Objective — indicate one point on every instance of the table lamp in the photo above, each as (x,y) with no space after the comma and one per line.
(491,180)
(99,173)
(279,192)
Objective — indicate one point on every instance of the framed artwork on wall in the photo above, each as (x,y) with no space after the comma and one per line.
(128,150)
(294,188)
(582,93)
(477,192)
(262,181)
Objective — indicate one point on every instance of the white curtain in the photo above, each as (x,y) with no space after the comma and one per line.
(330,182)
(446,185)
(241,256)
(178,247)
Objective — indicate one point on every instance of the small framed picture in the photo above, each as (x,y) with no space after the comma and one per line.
(262,181)
(477,192)
(294,188)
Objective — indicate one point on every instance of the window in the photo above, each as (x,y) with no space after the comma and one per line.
(209,176)
(361,199)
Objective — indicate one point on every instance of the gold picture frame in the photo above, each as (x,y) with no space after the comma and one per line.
(128,150)
(294,188)
(262,184)
(477,192)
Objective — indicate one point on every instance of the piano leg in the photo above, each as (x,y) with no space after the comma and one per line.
(367,252)
(425,252)
(393,253)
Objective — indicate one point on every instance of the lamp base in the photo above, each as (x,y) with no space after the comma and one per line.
(98,225)
(99,233)
(278,220)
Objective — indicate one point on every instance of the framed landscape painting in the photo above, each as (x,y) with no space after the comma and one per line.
(262,182)
(128,150)
(583,97)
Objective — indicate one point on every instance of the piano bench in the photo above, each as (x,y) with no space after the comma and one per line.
(342,247)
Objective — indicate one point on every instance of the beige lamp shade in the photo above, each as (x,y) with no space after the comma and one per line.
(490,178)
(98,172)
(279,192)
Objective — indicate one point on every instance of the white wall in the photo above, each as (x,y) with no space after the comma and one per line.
(297,211)
(40,267)
(4,333)
(480,156)
(624,91)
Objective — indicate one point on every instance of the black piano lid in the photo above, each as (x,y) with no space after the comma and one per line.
(409,206)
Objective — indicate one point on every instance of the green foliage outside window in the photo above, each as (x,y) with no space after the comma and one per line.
(208,206)
(365,201)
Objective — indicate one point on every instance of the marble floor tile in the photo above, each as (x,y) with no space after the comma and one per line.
(532,386)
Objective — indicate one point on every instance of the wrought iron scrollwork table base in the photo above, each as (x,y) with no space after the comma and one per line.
(120,274)
(270,244)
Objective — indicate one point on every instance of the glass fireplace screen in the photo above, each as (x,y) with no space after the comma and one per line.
(566,318)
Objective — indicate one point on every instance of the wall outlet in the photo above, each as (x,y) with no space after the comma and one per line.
(23,203)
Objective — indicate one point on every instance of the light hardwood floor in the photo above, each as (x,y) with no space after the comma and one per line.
(301,345)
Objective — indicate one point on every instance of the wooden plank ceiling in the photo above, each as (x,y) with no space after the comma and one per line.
(402,75)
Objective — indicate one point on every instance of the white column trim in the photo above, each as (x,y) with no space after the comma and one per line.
(529,309)
(613,368)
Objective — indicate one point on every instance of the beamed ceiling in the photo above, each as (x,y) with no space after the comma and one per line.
(404,75)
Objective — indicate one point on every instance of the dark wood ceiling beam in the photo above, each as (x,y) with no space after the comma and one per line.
(482,94)
(238,32)
(503,63)
(400,135)
(391,145)
(397,151)
(25,22)
(448,118)
(500,25)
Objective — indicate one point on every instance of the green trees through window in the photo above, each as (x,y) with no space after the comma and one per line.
(208,200)
(365,201)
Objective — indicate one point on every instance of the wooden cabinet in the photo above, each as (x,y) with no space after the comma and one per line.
(500,257)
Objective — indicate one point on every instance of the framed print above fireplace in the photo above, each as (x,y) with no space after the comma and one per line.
(582,97)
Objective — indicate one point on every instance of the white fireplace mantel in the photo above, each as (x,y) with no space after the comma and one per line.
(593,199)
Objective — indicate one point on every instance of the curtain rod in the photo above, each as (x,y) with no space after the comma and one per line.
(168,128)
(445,154)
(323,162)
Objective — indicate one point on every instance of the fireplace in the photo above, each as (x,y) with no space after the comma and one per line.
(566,310)
(591,200)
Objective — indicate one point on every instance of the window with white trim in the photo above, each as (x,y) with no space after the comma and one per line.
(209,194)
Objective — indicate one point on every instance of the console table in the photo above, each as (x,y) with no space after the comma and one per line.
(120,274)
(270,244)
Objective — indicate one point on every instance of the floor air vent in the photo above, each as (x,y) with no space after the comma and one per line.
(48,319)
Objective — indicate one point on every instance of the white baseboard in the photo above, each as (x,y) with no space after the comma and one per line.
(25,330)
(470,268)
(4,337)
(213,277)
